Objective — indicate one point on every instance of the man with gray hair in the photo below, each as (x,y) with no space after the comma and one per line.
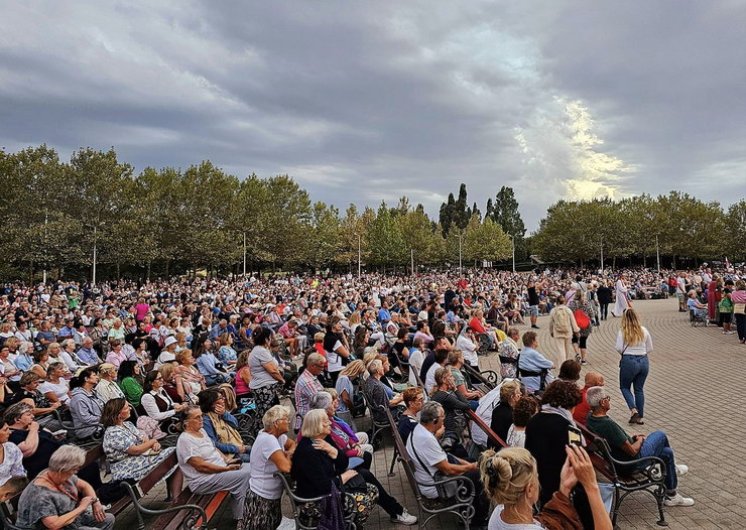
(625,447)
(429,458)
(308,385)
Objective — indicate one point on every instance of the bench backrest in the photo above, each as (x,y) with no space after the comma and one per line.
(599,451)
(403,456)
(477,375)
(473,416)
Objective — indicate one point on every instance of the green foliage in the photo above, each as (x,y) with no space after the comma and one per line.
(682,225)
(173,220)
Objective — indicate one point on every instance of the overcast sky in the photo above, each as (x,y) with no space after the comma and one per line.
(364,101)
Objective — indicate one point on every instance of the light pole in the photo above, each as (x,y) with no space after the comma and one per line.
(459,252)
(602,255)
(359,255)
(412,258)
(244,254)
(95,234)
(658,254)
(512,246)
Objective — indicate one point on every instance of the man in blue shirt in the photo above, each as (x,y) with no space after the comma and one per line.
(532,365)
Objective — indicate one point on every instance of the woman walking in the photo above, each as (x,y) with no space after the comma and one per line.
(622,296)
(634,343)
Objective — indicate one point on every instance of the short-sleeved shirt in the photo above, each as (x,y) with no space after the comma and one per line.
(423,448)
(260,377)
(189,446)
(263,482)
(610,431)
(59,389)
(12,464)
(38,502)
(344,383)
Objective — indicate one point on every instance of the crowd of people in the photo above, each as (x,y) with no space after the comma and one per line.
(168,368)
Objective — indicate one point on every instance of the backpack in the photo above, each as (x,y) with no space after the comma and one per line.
(562,323)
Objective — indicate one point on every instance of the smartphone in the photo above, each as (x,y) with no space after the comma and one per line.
(574,436)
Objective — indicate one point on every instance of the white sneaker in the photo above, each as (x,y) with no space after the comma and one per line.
(405,518)
(678,500)
(681,470)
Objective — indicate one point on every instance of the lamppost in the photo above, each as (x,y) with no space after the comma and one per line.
(459,236)
(244,254)
(658,253)
(359,255)
(512,246)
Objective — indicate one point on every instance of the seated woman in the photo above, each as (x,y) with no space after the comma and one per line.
(55,387)
(30,391)
(128,378)
(455,407)
(38,445)
(226,354)
(270,454)
(511,481)
(378,394)
(57,498)
(524,409)
(131,454)
(320,469)
(205,468)
(107,387)
(243,376)
(355,445)
(189,380)
(347,381)
(508,353)
(360,455)
(502,414)
(209,365)
(414,399)
(156,403)
(221,426)
(11,464)
(698,308)
(456,363)
(85,406)
(41,360)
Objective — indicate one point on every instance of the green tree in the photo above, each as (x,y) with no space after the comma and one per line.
(386,241)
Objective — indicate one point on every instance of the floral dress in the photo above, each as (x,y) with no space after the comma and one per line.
(119,438)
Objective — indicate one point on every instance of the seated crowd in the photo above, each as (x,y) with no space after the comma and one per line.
(203,383)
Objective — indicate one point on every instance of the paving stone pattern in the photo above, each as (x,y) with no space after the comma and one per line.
(693,393)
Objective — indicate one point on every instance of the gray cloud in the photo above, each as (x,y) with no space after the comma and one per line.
(369,101)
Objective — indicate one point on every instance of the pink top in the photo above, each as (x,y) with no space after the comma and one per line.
(241,386)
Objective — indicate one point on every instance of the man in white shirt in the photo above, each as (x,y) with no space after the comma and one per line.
(428,458)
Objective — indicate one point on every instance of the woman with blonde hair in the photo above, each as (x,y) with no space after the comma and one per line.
(347,382)
(634,343)
(511,481)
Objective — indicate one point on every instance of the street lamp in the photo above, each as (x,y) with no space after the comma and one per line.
(512,246)
(658,254)
(459,236)
(359,255)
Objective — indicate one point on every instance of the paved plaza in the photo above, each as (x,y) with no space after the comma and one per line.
(693,393)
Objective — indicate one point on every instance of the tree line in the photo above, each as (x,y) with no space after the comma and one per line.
(676,226)
(168,221)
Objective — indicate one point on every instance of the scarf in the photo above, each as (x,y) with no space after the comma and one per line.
(224,431)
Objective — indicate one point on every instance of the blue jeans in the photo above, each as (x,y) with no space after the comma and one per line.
(633,370)
(656,444)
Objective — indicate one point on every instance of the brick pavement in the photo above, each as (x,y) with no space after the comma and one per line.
(692,392)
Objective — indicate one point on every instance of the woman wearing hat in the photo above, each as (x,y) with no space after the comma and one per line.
(107,388)
(168,355)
